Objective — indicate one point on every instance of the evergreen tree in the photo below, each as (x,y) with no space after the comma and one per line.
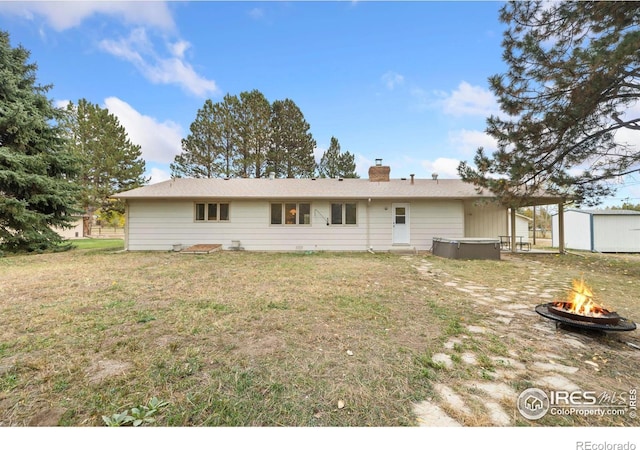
(209,150)
(254,132)
(573,73)
(36,168)
(291,152)
(334,163)
(110,163)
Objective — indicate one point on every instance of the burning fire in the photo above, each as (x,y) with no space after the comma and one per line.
(580,301)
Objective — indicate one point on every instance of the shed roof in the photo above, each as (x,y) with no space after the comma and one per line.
(606,212)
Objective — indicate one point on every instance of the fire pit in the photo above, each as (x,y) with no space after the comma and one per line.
(581,311)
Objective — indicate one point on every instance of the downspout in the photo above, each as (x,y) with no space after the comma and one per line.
(126,225)
(369,226)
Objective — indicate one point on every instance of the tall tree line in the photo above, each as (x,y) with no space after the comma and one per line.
(246,136)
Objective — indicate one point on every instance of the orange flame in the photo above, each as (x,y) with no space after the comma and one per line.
(580,301)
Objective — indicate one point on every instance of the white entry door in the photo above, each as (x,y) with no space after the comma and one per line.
(400,216)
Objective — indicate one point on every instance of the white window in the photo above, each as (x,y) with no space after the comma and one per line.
(290,213)
(212,212)
(344,213)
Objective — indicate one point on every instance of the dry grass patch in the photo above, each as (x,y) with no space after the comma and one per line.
(257,339)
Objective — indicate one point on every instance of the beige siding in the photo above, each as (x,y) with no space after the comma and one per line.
(159,225)
(484,219)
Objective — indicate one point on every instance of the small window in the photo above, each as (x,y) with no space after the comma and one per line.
(291,213)
(304,214)
(276,214)
(224,212)
(199,211)
(211,212)
(344,213)
(336,214)
(350,213)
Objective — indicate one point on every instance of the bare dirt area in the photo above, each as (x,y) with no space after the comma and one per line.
(253,339)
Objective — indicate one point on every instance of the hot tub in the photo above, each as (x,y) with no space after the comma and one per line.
(466,248)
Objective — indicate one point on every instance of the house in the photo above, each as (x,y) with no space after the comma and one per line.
(269,214)
(599,230)
(75,231)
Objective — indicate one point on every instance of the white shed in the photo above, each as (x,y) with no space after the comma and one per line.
(607,231)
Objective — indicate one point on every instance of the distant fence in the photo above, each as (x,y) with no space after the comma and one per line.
(106,232)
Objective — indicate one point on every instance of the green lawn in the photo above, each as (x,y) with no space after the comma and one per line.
(102,244)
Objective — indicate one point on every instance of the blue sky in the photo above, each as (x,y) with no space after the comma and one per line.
(401,81)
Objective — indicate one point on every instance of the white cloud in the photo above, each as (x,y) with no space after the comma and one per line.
(467,142)
(256,13)
(61,103)
(157,175)
(139,50)
(470,100)
(392,79)
(444,167)
(159,141)
(179,48)
(62,16)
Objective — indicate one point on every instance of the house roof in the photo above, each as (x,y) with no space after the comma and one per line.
(306,188)
(312,188)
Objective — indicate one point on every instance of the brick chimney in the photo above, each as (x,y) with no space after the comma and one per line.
(379,172)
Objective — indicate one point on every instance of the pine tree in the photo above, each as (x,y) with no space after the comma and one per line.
(291,152)
(110,162)
(209,149)
(335,164)
(36,169)
(254,131)
(573,73)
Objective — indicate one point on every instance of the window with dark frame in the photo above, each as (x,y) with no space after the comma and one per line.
(212,212)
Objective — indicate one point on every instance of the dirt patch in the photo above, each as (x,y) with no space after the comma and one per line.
(104,369)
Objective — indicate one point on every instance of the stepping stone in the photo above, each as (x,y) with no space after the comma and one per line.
(470,358)
(559,382)
(555,367)
(497,414)
(508,362)
(430,415)
(452,343)
(450,397)
(444,359)
(476,329)
(498,391)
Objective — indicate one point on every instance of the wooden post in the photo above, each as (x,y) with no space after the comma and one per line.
(513,230)
(561,228)
(534,224)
